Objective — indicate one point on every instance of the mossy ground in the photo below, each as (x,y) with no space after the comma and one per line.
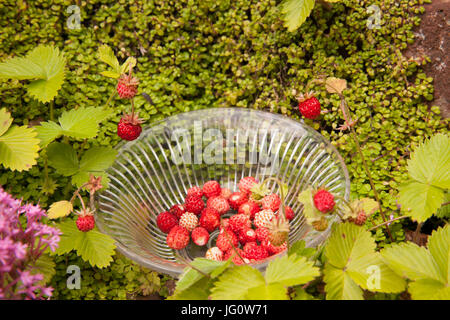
(205,54)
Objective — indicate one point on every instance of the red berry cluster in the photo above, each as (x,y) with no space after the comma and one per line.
(243,237)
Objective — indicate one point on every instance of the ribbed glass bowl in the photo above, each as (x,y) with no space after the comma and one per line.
(154,172)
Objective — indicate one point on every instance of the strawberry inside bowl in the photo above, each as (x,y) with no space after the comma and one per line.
(192,186)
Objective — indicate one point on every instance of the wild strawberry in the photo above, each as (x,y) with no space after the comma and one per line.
(236,199)
(127,86)
(273,249)
(211,189)
(189,221)
(239,222)
(195,191)
(214,253)
(200,236)
(194,204)
(324,201)
(224,224)
(209,219)
(263,218)
(237,259)
(177,210)
(249,208)
(247,235)
(85,221)
(246,184)
(271,202)
(178,238)
(129,127)
(289,213)
(225,193)
(255,252)
(360,218)
(224,238)
(262,234)
(218,203)
(309,106)
(166,221)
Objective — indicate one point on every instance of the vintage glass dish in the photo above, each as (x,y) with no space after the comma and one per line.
(155,171)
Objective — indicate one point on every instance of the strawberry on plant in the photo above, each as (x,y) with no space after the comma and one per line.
(360,218)
(189,221)
(85,221)
(289,213)
(127,86)
(166,221)
(214,253)
(249,208)
(200,236)
(246,184)
(129,127)
(324,201)
(309,106)
(218,203)
(211,189)
(271,202)
(177,210)
(178,238)
(236,199)
(194,204)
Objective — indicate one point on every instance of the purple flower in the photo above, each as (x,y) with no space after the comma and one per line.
(20,246)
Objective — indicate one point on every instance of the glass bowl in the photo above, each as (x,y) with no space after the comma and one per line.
(154,172)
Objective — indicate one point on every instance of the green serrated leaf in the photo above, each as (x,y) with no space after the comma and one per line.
(92,246)
(47,132)
(310,212)
(63,158)
(97,159)
(110,74)
(82,123)
(200,291)
(274,291)
(339,285)
(19,148)
(369,206)
(429,289)
(5,120)
(235,283)
(439,247)
(59,209)
(106,54)
(295,12)
(420,201)
(290,271)
(128,64)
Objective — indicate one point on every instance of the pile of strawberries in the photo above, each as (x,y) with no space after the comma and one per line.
(243,236)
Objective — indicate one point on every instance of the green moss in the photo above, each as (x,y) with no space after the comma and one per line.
(204,54)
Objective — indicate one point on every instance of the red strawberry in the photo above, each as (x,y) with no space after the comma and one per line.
(236,259)
(178,238)
(360,218)
(194,204)
(129,127)
(225,193)
(254,252)
(247,235)
(263,218)
(166,221)
(127,86)
(224,224)
(236,199)
(272,202)
(200,236)
(262,234)
(209,219)
(246,184)
(85,222)
(324,201)
(249,208)
(239,222)
(195,191)
(177,210)
(309,106)
(211,189)
(214,253)
(224,238)
(189,221)
(218,203)
(289,213)
(273,249)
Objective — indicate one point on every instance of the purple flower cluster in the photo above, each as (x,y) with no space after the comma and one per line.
(23,239)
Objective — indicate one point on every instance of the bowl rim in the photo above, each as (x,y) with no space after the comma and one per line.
(172,268)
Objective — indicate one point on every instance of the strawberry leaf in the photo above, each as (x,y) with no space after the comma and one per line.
(295,12)
(59,209)
(63,158)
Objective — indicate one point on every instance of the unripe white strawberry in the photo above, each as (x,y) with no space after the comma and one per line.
(263,218)
(189,221)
